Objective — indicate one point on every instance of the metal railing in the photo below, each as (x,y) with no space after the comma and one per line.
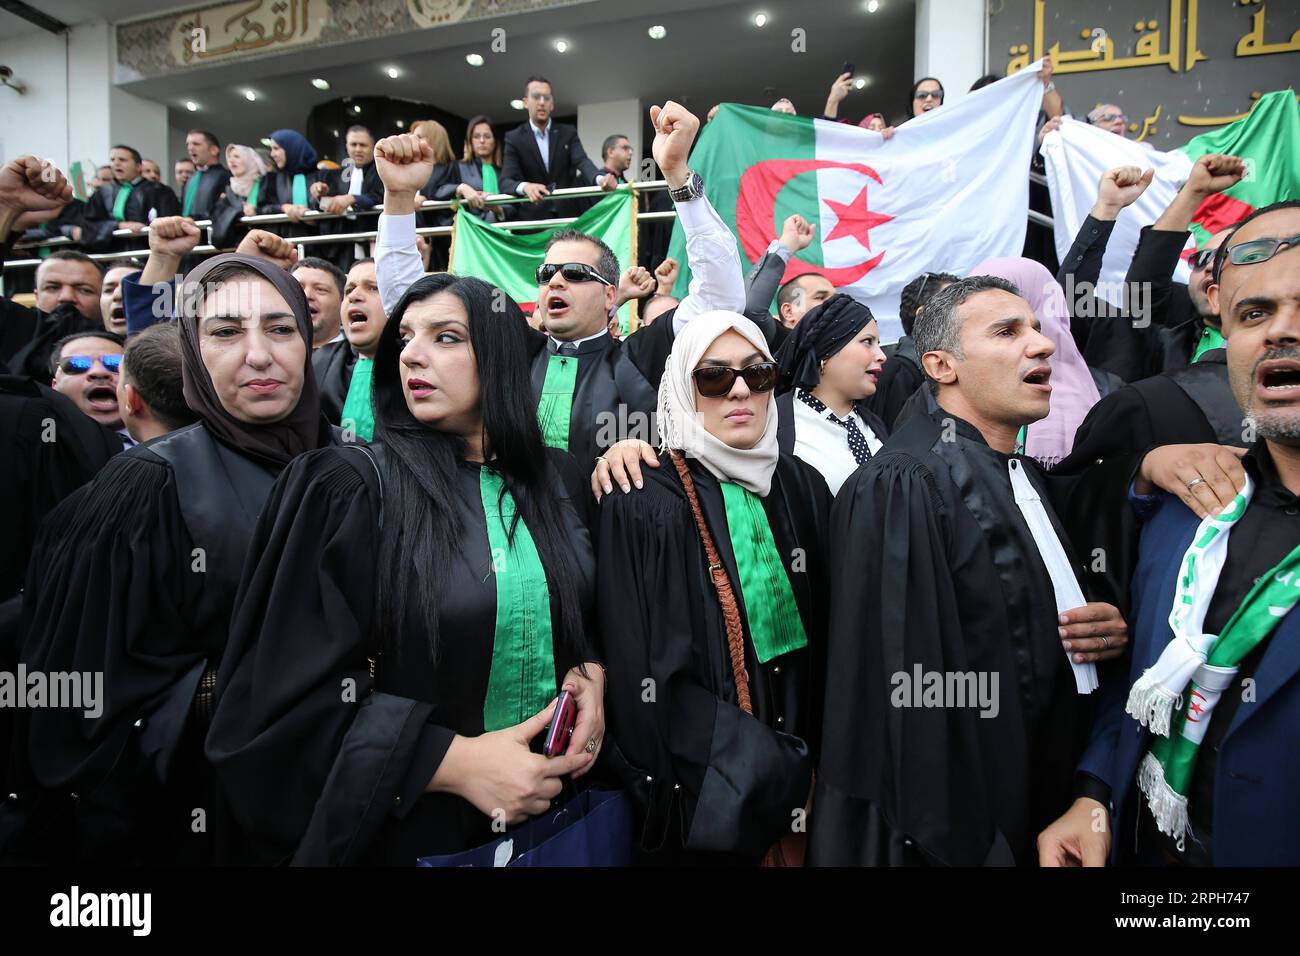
(267,219)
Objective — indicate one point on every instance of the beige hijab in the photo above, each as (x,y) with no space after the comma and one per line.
(679,424)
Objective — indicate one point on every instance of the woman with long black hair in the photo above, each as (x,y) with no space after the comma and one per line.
(412,609)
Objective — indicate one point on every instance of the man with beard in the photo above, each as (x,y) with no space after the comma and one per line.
(343,368)
(1192,762)
(67,283)
(323,282)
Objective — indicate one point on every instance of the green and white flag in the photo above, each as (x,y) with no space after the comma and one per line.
(510,260)
(946,192)
(1268,139)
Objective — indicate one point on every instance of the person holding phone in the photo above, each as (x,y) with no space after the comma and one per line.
(712,577)
(411,610)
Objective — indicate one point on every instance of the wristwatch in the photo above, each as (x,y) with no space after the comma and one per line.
(693,189)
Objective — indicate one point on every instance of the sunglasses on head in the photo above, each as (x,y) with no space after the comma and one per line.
(81,364)
(714,381)
(1202,259)
(572,272)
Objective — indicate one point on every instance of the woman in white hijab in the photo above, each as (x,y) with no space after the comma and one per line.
(713,647)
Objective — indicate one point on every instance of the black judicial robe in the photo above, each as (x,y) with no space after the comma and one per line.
(99,225)
(935,568)
(617,389)
(320,776)
(332,365)
(1188,405)
(118,585)
(211,187)
(275,193)
(714,785)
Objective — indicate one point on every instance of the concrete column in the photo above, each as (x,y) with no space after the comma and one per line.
(950,43)
(598,120)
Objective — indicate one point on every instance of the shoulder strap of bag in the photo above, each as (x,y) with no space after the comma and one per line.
(726,596)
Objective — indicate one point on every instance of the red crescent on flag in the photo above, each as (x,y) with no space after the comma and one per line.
(756,219)
(1218,212)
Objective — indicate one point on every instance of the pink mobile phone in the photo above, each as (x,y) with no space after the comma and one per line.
(561,726)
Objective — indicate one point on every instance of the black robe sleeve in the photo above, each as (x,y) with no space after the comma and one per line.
(730,779)
(108,589)
(897,785)
(310,762)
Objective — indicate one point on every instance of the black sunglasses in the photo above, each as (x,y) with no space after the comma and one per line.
(1202,259)
(572,272)
(714,381)
(81,364)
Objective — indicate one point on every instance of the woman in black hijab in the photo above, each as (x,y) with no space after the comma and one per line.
(411,609)
(134,577)
(830,363)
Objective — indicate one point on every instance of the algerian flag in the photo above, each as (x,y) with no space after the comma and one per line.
(510,260)
(949,190)
(1077,155)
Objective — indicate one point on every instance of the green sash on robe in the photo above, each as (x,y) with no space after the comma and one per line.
(556,405)
(358,407)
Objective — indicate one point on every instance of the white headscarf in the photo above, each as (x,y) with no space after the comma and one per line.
(679,424)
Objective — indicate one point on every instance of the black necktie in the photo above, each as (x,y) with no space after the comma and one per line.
(857,441)
(564,348)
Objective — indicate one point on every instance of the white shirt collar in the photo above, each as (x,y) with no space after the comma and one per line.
(587,338)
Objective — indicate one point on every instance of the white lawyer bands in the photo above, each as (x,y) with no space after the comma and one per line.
(103,909)
(78,690)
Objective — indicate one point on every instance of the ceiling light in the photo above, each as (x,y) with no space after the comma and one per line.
(250,96)
(335,132)
(760,19)
(517,104)
(657,32)
(873,6)
(401,124)
(357,108)
(474,59)
(393,72)
(859,83)
(320,84)
(191,106)
(561,46)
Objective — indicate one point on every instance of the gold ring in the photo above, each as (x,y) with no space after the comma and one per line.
(591,745)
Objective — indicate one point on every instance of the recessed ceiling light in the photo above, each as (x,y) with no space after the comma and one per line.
(859,83)
(320,84)
(517,104)
(873,6)
(474,59)
(357,108)
(334,131)
(191,106)
(250,95)
(401,124)
(393,72)
(760,19)
(658,31)
(561,46)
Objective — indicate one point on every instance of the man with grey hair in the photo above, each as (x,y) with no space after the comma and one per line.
(1109,117)
(956,573)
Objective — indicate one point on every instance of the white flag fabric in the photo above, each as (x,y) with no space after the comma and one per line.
(1076,156)
(947,191)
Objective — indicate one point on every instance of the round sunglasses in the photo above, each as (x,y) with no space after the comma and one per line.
(714,381)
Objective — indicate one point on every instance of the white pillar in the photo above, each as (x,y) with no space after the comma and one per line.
(950,43)
(598,120)
(71,110)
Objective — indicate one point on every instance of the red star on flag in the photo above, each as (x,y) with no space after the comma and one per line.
(855,219)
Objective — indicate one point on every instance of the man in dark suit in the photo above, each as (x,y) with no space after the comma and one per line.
(542,155)
(355,186)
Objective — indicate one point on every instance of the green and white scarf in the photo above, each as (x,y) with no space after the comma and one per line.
(1196,668)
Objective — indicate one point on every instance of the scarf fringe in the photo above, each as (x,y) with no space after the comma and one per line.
(1167,807)
(1152,705)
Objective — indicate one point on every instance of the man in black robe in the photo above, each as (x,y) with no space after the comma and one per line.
(954,715)
(109,209)
(354,187)
(613,393)
(363,319)
(205,187)
(68,283)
